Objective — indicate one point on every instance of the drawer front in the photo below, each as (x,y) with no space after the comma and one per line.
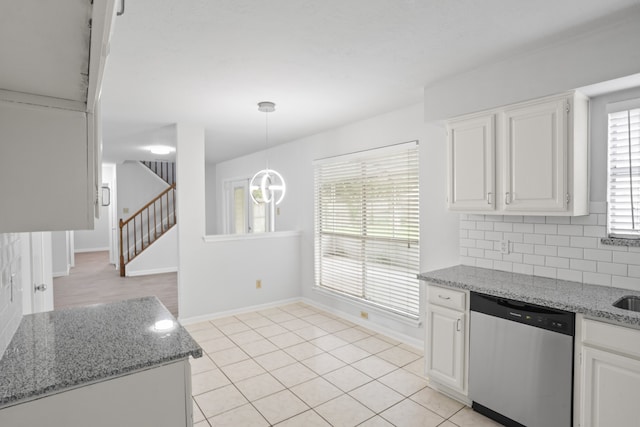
(447,297)
(611,337)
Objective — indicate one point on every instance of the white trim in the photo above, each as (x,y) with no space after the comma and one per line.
(41,100)
(227,313)
(406,339)
(61,273)
(251,236)
(152,271)
(104,249)
(366,153)
(629,104)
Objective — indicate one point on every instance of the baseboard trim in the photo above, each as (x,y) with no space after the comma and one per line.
(153,271)
(79,251)
(227,313)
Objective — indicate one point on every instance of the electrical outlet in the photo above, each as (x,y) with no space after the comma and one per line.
(258,284)
(364,314)
(277,211)
(125,210)
(504,246)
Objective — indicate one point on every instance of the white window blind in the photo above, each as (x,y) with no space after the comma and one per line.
(624,174)
(367,227)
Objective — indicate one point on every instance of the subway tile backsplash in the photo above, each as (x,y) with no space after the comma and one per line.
(10,287)
(565,248)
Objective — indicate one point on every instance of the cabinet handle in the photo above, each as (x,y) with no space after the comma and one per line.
(489,198)
(458,328)
(507,198)
(441,297)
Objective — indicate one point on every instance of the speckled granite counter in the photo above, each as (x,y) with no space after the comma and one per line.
(58,350)
(591,300)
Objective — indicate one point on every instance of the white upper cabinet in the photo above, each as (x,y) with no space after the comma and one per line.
(471,152)
(540,160)
(49,113)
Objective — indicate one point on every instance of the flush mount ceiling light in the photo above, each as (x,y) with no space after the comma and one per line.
(161,149)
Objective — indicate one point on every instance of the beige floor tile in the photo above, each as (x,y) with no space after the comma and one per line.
(270,311)
(311,332)
(376,421)
(258,322)
(403,382)
(197,413)
(201,364)
(467,417)
(374,366)
(344,411)
(418,351)
(249,315)
(351,334)
(373,344)
(302,312)
(280,406)
(388,339)
(245,337)
(260,347)
(303,351)
(206,381)
(275,360)
(245,416)
(242,370)
(220,400)
(217,344)
(257,387)
(224,320)
(334,326)
(233,328)
(409,414)
(329,342)
(317,318)
(281,317)
(376,396)
(270,330)
(286,340)
(197,326)
(437,402)
(350,353)
(206,334)
(316,391)
(291,375)
(398,356)
(447,424)
(416,367)
(203,423)
(347,378)
(289,308)
(294,324)
(228,356)
(305,419)
(323,363)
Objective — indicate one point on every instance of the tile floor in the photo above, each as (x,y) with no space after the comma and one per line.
(295,365)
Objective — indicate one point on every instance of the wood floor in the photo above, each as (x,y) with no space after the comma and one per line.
(93,280)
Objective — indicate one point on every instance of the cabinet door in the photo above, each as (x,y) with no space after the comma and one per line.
(610,389)
(471,161)
(535,157)
(445,352)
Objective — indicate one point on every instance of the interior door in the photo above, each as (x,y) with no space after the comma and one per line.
(41,272)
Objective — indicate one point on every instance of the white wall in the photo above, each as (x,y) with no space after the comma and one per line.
(98,238)
(439,229)
(219,276)
(211,198)
(160,257)
(137,185)
(12,264)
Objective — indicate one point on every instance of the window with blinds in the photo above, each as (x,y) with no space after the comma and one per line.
(367,227)
(624,173)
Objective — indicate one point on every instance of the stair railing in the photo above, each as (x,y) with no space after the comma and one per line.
(145,226)
(165,170)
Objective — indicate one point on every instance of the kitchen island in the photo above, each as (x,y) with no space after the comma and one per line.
(123,363)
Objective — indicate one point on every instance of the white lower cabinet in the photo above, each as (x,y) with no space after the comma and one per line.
(609,375)
(447,339)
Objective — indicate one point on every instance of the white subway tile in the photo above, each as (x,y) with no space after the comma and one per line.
(475,217)
(533,259)
(475,252)
(485,226)
(584,242)
(463,217)
(503,226)
(612,268)
(598,255)
(558,240)
(513,257)
(582,265)
(492,235)
(545,271)
(534,219)
(571,230)
(596,278)
(523,268)
(467,260)
(467,243)
(612,248)
(634,271)
(503,265)
(595,231)
(467,225)
(476,234)
(545,250)
(602,219)
(513,218)
(484,263)
(568,252)
(556,262)
(523,248)
(536,239)
(585,220)
(523,228)
(546,229)
(627,257)
(572,275)
(626,282)
(513,237)
(558,220)
(463,234)
(494,218)
(493,255)
(598,207)
(485,244)
(463,252)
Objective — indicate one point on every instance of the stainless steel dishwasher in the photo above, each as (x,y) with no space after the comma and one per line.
(521,362)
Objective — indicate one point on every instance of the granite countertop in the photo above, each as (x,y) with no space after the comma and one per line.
(591,300)
(62,349)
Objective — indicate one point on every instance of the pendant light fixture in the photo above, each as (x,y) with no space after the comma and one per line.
(267,186)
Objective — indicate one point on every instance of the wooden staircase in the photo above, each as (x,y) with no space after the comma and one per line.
(165,170)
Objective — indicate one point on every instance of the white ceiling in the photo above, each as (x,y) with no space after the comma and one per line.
(324,63)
